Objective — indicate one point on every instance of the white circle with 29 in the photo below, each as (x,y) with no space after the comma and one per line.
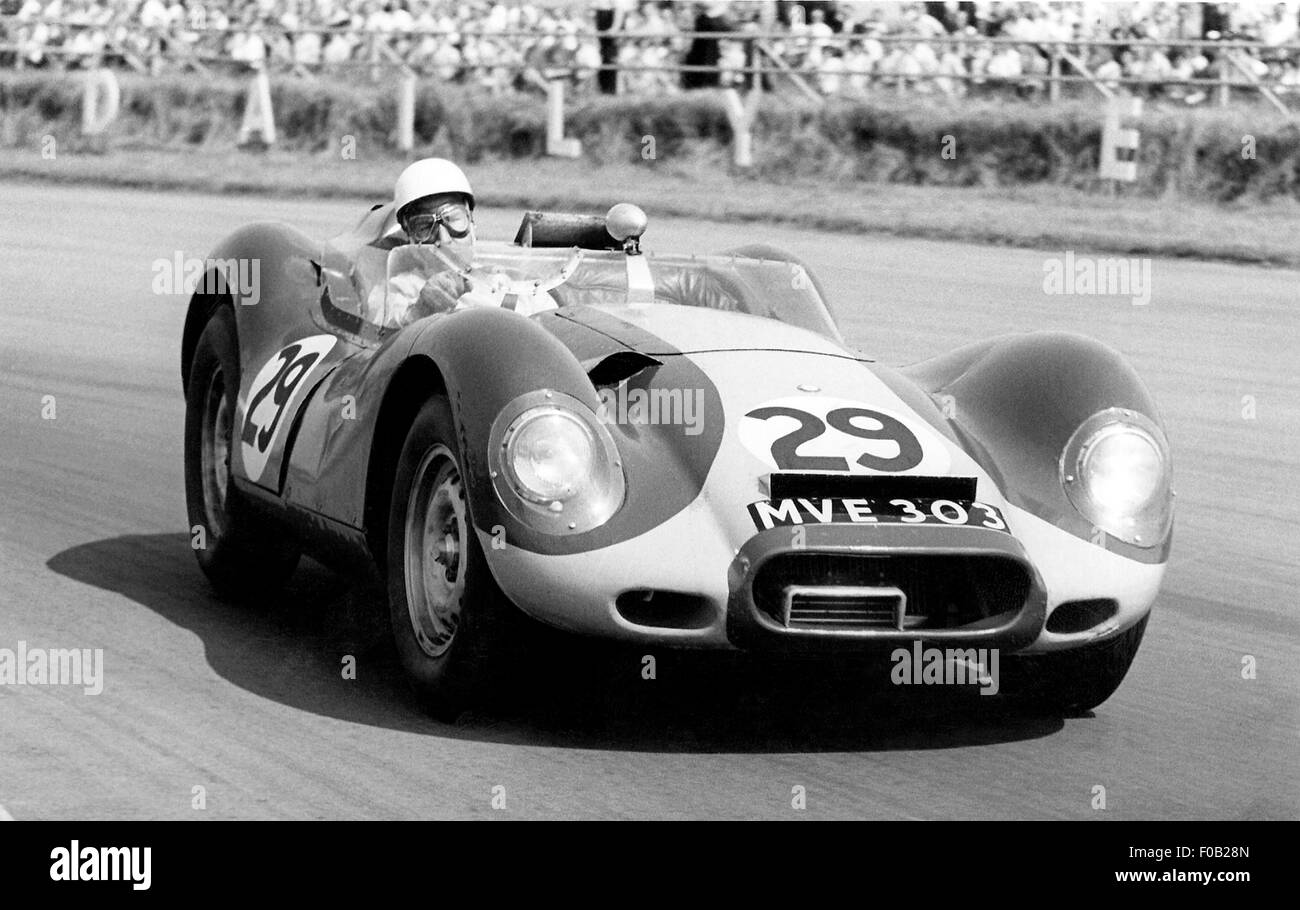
(274,388)
(822,434)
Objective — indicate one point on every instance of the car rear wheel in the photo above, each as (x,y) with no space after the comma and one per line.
(241,556)
(456,634)
(1076,681)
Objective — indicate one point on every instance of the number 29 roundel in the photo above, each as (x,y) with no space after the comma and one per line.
(270,395)
(821,434)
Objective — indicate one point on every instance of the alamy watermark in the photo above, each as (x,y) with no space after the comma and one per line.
(24,666)
(1088,276)
(75,863)
(241,278)
(654,406)
(920,666)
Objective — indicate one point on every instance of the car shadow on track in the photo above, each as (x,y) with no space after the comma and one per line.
(581,694)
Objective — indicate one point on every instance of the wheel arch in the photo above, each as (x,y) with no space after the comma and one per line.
(201,307)
(481,359)
(281,262)
(414,382)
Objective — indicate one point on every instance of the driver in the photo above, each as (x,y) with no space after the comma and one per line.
(435,206)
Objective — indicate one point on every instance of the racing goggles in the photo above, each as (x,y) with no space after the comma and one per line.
(453,217)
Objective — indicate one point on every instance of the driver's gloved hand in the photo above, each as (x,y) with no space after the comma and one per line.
(439,295)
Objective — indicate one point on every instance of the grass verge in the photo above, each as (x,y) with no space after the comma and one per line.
(1037,216)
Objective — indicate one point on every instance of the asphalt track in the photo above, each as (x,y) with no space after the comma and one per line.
(251,705)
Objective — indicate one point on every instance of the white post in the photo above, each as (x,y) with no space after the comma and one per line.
(258,117)
(406,112)
(556,144)
(1054,87)
(100,101)
(1116,138)
(740,115)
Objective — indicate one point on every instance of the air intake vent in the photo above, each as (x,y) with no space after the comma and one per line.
(844,607)
(937,591)
(665,609)
(1080,615)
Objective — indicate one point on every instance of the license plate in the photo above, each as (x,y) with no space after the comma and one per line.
(776,513)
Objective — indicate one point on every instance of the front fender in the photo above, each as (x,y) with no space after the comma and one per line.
(488,357)
(1015,402)
(264,272)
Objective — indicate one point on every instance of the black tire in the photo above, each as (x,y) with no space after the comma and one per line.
(242,557)
(1074,682)
(459,647)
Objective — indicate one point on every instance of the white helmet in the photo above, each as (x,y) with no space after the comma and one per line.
(430,177)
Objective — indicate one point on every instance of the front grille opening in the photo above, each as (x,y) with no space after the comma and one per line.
(1081,615)
(845,608)
(665,609)
(940,591)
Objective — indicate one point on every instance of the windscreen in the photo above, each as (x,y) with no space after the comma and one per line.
(771,289)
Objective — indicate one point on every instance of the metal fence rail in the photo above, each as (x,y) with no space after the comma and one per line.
(768,59)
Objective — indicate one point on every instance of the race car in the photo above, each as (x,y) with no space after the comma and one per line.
(675,450)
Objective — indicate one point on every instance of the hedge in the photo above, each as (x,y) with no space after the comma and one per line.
(883,138)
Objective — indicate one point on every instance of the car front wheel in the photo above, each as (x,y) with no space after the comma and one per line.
(456,634)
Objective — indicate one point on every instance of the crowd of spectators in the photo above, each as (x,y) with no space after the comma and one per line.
(638,46)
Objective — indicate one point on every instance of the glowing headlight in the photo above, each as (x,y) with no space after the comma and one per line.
(553,465)
(1115,471)
(549,454)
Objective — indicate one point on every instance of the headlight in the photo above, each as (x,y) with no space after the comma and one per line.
(1116,472)
(553,465)
(549,454)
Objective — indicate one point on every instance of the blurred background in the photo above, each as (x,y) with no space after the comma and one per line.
(1170,51)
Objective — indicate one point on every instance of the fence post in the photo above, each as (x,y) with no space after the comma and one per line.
(1054,85)
(1225,91)
(556,144)
(406,111)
